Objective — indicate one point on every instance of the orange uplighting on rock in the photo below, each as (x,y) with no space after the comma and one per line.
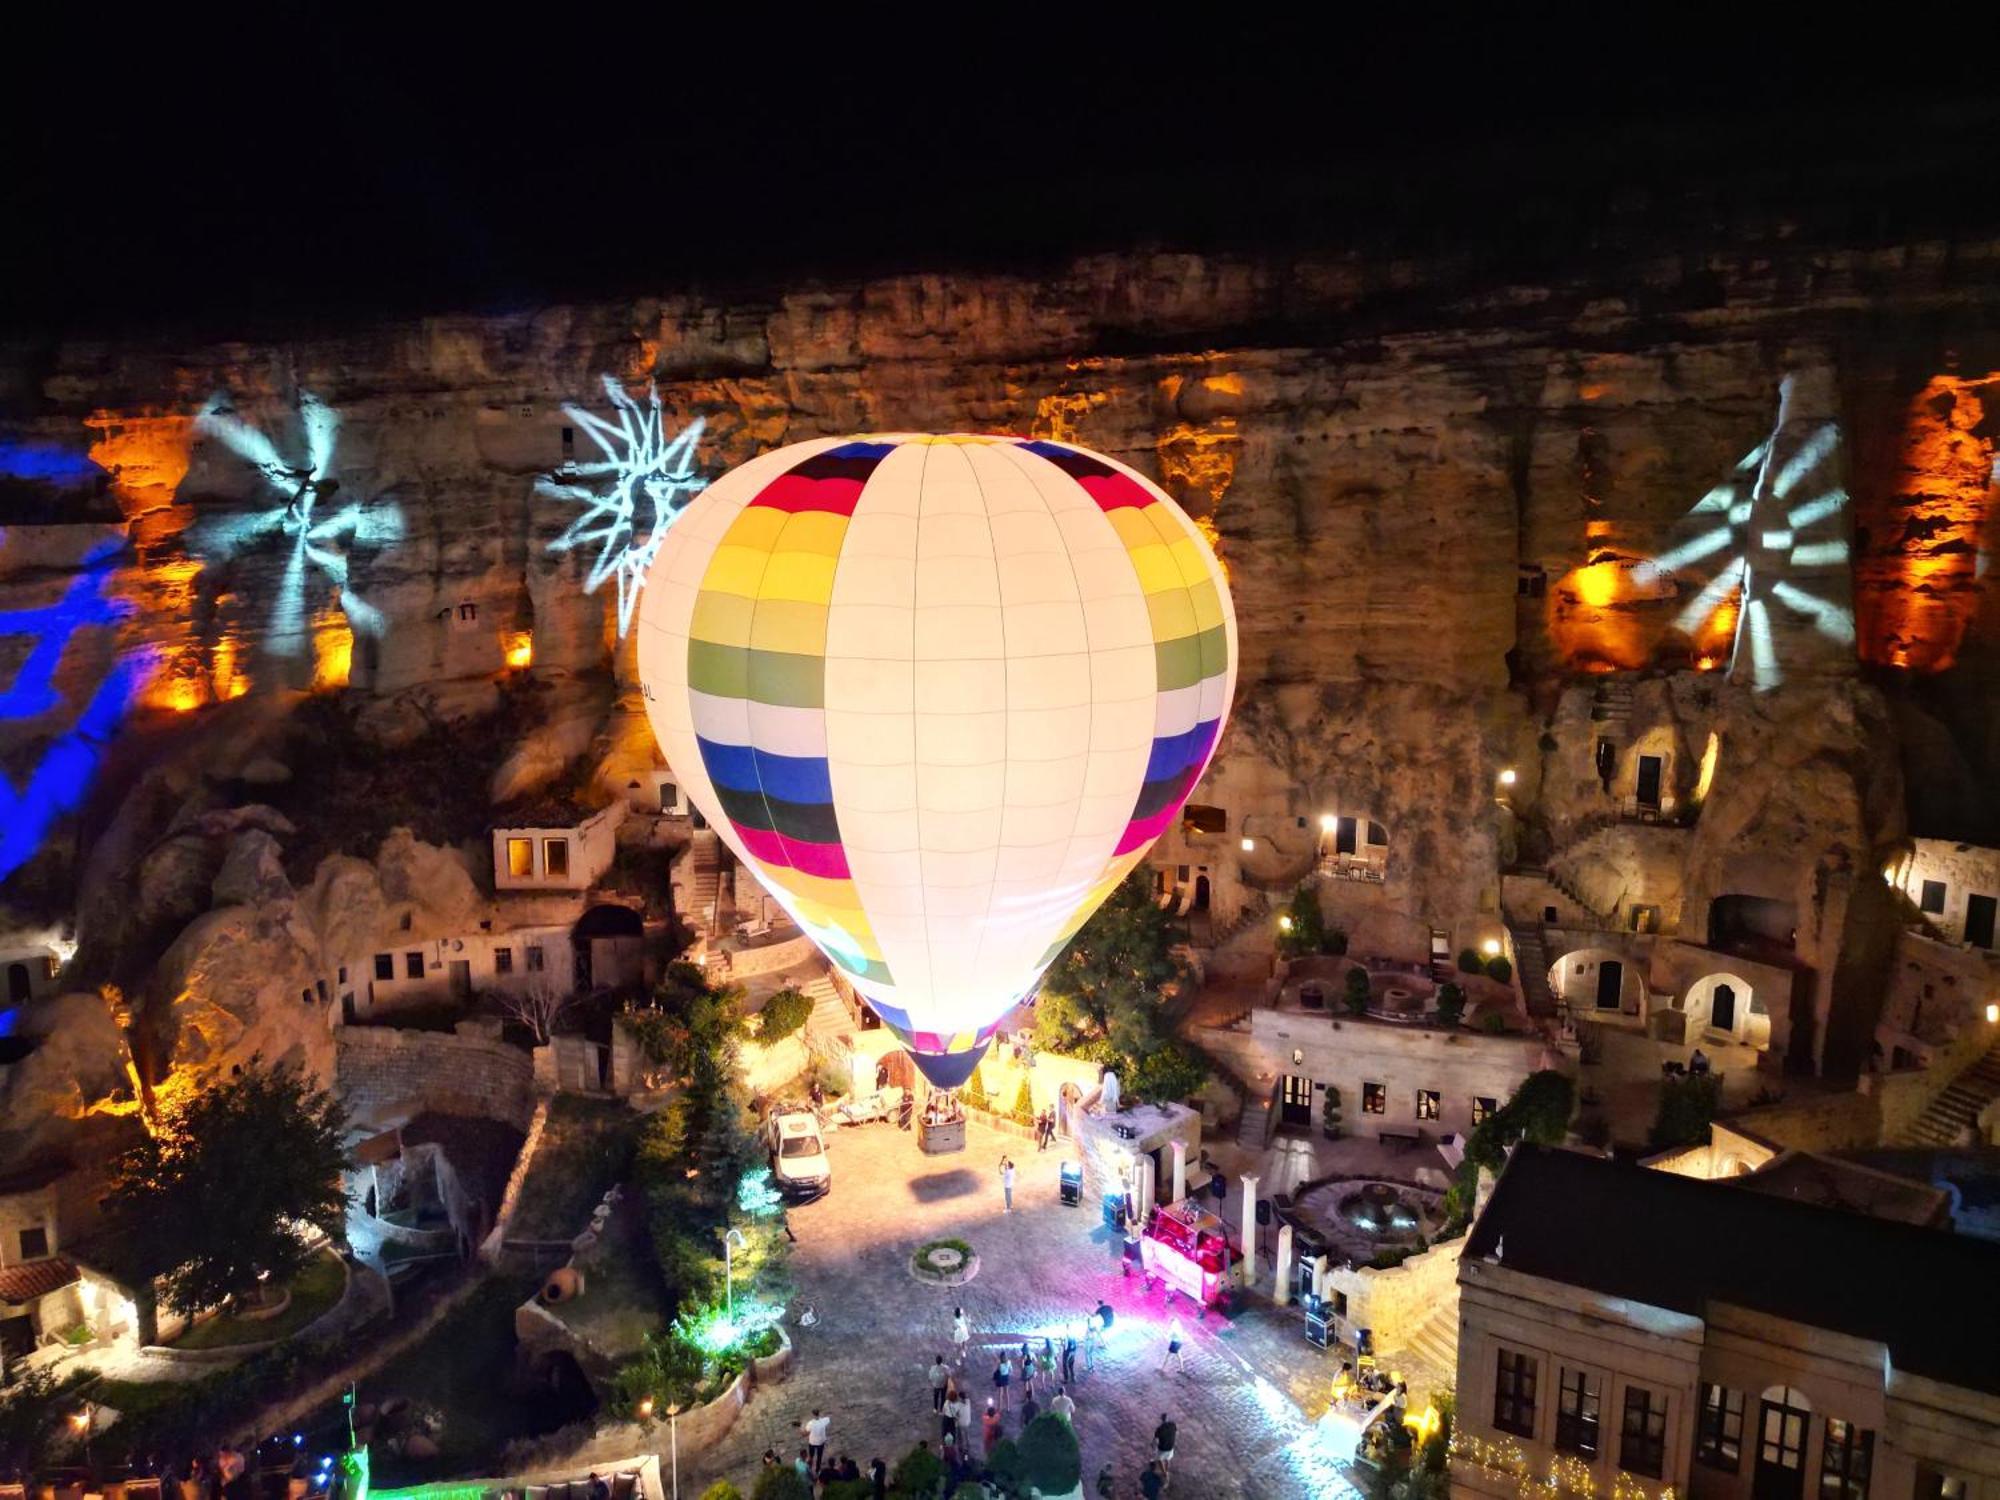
(146,455)
(225,677)
(333,651)
(518,647)
(1198,463)
(1917,581)
(1597,617)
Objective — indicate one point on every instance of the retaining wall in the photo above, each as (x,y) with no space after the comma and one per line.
(386,1076)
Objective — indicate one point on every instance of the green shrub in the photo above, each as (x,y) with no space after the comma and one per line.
(973,1095)
(1329,1112)
(784,1013)
(782,1482)
(1450,1004)
(1302,926)
(1497,967)
(722,1489)
(920,1473)
(969,1489)
(847,1489)
(1023,1112)
(1050,1458)
(1357,994)
(1686,1111)
(1165,1073)
(1469,961)
(1493,1023)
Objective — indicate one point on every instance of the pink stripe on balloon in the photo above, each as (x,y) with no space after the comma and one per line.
(1145,830)
(828,861)
(1114,491)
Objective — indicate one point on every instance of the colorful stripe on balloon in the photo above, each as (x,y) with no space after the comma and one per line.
(757,680)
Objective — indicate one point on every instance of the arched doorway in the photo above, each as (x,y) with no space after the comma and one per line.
(1722,1007)
(1783,1418)
(1597,981)
(1200,893)
(610,942)
(19,987)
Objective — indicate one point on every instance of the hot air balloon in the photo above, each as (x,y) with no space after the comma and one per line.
(941,694)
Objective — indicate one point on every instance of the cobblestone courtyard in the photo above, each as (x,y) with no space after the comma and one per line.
(1251,1405)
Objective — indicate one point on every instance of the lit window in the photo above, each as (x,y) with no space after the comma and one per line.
(1374,1099)
(1718,1438)
(521,858)
(413,965)
(1484,1107)
(1514,1394)
(1642,1448)
(1577,1404)
(534,960)
(1932,899)
(1427,1104)
(1844,1460)
(503,960)
(34,1243)
(385,966)
(555,856)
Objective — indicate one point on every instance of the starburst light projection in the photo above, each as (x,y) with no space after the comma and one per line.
(630,496)
(1779,527)
(57,783)
(319,534)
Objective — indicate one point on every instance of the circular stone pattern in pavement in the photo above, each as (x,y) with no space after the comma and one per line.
(941,1263)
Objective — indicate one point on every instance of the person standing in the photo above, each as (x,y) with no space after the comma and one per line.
(1152,1482)
(815,1432)
(1007,1183)
(1063,1406)
(1003,1376)
(948,1416)
(1164,1437)
(1069,1356)
(1174,1355)
(961,1334)
(878,1476)
(1029,1410)
(939,1378)
(989,1430)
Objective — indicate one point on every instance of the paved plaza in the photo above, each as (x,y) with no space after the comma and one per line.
(1251,1406)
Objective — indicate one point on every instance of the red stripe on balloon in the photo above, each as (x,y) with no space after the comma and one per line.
(827,861)
(1114,491)
(798,492)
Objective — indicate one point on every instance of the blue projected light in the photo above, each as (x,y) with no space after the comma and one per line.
(644,480)
(46,463)
(320,533)
(57,784)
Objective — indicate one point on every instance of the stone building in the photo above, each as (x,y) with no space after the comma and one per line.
(567,855)
(1694,1336)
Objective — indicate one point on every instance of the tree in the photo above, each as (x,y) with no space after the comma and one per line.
(783,1014)
(1165,1073)
(782,1482)
(1357,995)
(1450,1004)
(1050,1458)
(537,1004)
(973,1094)
(1686,1111)
(1023,1112)
(218,1198)
(1539,1112)
(1117,965)
(1301,925)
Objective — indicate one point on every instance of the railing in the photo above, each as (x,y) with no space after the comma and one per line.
(1344,867)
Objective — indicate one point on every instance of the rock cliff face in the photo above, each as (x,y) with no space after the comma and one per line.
(1442,506)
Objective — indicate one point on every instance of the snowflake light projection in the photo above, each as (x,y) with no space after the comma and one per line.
(1781,520)
(635,491)
(320,535)
(59,780)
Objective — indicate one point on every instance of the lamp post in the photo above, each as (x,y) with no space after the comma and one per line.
(674,1443)
(729,1269)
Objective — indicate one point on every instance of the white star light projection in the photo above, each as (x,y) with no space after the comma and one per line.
(630,496)
(320,534)
(1782,517)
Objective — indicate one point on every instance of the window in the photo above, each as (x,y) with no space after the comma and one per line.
(1577,1406)
(385,966)
(1642,1449)
(34,1243)
(468,612)
(343,973)
(306,997)
(320,986)
(1374,1099)
(1934,1485)
(1427,1104)
(521,858)
(1378,835)
(1932,899)
(669,797)
(568,443)
(1514,1394)
(1844,1458)
(413,965)
(534,960)
(1718,1436)
(555,856)
(503,960)
(1484,1107)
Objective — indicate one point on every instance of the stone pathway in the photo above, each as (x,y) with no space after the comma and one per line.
(1251,1406)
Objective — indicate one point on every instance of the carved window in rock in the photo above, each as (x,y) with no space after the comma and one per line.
(34,1243)
(1374,1098)
(1931,902)
(534,960)
(521,858)
(385,966)
(503,960)
(555,857)
(413,966)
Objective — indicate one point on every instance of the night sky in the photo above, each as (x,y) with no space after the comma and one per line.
(234,181)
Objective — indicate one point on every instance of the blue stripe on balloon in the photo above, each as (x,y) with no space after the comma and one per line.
(789,778)
(1173,753)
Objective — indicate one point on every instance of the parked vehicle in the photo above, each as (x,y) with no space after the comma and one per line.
(799,1167)
(859,1109)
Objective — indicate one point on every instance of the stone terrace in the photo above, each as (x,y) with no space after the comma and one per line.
(1251,1406)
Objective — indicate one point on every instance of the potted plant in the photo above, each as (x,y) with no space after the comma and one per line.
(1450,1004)
(1357,995)
(1329,1113)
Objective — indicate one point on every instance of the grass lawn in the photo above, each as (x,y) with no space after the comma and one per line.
(586,1146)
(315,1289)
(463,1368)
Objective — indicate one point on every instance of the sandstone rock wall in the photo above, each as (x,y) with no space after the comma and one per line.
(386,1076)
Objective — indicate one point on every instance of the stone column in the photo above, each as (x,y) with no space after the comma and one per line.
(1180,1169)
(1281,1292)
(1248,1269)
(1319,1275)
(1142,1187)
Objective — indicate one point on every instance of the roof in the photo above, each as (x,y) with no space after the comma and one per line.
(1805,1178)
(1680,1244)
(36,1279)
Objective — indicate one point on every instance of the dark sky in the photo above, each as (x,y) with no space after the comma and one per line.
(228,179)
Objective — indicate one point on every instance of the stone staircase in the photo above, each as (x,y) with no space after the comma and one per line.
(1430,1357)
(1543,888)
(1531,967)
(705,855)
(1256,1124)
(1611,708)
(830,1017)
(1255,904)
(1959,1106)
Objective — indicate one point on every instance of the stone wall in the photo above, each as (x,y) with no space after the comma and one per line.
(1964,870)
(385,1076)
(1393,1302)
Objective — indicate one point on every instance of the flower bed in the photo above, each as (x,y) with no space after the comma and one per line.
(944,1263)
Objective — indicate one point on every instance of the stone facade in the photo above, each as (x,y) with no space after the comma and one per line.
(387,1076)
(1946,882)
(567,858)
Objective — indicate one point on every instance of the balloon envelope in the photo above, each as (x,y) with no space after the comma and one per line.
(940,694)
